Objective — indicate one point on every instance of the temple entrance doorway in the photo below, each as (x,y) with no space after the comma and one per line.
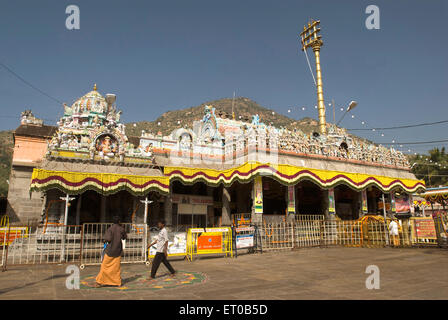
(309,198)
(347,202)
(274,198)
(241,198)
(374,200)
(192,205)
(91,207)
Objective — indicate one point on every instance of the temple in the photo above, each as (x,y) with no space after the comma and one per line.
(86,169)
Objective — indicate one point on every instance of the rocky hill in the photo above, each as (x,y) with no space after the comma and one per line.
(243,108)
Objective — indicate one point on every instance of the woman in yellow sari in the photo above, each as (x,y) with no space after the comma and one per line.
(110,272)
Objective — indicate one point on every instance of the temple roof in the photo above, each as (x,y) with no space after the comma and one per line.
(42,131)
(92,101)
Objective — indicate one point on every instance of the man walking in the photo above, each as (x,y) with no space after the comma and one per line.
(110,272)
(161,252)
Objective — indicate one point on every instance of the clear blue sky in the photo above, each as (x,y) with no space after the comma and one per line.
(164,55)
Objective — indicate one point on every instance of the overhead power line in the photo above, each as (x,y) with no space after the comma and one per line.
(418,142)
(29,84)
(400,127)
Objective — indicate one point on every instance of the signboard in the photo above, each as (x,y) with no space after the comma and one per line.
(245,229)
(177,243)
(291,200)
(244,241)
(425,228)
(209,242)
(199,230)
(402,204)
(364,201)
(14,233)
(192,199)
(183,208)
(331,202)
(258,196)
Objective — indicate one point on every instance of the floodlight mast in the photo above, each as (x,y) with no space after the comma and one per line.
(310,38)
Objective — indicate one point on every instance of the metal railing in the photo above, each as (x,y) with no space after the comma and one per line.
(313,233)
(345,233)
(241,219)
(212,241)
(309,217)
(36,246)
(277,236)
(84,244)
(307,233)
(92,243)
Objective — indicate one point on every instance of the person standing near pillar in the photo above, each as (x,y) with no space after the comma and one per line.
(393,232)
(161,252)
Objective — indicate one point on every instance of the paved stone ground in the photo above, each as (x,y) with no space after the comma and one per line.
(315,273)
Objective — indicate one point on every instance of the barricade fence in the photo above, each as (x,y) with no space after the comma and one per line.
(177,244)
(309,217)
(85,244)
(246,237)
(239,219)
(276,236)
(26,245)
(345,233)
(209,241)
(424,231)
(355,233)
(92,243)
(441,224)
(307,233)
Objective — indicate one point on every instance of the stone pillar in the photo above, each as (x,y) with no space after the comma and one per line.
(44,208)
(359,204)
(103,209)
(226,218)
(134,218)
(210,209)
(326,206)
(168,211)
(392,203)
(291,202)
(78,209)
(257,187)
(155,208)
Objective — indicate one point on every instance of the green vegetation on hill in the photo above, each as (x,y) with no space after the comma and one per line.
(6,149)
(432,168)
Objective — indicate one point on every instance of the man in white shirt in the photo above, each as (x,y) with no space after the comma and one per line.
(161,252)
(393,232)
